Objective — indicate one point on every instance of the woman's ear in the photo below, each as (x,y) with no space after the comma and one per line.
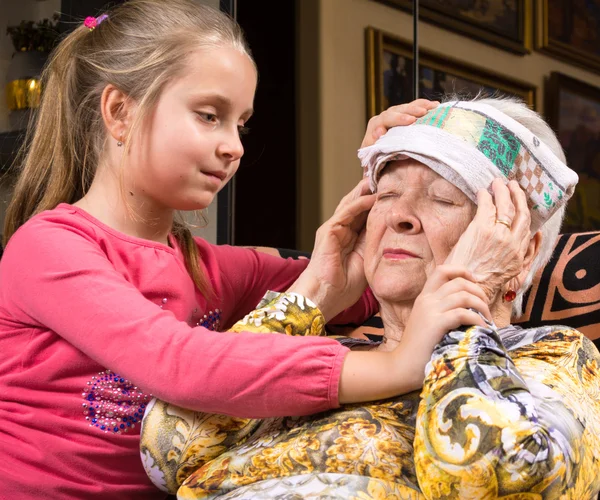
(117,111)
(530,254)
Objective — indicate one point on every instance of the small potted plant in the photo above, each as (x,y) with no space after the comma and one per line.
(33,41)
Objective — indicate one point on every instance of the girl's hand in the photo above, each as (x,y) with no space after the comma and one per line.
(335,278)
(403,114)
(491,250)
(444,305)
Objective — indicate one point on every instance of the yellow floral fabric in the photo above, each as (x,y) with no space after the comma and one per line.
(288,313)
(511,414)
(521,425)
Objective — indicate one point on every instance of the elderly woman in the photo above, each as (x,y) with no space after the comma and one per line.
(503,412)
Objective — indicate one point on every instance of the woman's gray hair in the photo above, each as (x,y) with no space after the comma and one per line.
(518,110)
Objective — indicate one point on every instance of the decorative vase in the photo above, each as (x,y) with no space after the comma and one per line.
(23,87)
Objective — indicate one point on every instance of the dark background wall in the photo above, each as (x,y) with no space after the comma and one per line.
(265,191)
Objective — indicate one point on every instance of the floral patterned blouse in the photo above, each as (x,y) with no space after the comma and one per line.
(510,414)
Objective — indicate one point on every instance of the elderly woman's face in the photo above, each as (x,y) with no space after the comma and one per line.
(417,219)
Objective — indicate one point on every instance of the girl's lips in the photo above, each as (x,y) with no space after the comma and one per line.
(213,178)
(220,174)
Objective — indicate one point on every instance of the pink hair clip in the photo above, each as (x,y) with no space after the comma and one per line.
(91,22)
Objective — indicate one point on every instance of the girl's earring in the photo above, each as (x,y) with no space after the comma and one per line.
(120,141)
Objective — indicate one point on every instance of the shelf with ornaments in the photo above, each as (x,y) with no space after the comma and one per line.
(32,42)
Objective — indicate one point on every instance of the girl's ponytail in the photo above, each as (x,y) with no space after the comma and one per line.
(49,171)
(188,246)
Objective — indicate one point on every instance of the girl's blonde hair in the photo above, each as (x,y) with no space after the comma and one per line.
(139,48)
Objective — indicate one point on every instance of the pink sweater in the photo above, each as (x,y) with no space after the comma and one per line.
(93,323)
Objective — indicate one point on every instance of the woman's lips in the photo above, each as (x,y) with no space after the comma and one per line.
(397,254)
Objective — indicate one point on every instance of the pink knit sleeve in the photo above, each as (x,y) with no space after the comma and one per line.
(57,278)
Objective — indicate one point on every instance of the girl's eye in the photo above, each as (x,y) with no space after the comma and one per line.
(208,117)
(243,130)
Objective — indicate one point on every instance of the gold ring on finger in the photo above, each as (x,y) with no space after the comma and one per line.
(504,222)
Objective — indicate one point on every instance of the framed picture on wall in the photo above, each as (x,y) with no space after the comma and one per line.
(570,31)
(573,111)
(506,24)
(389,75)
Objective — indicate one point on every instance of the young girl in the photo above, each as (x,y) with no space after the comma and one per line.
(106,300)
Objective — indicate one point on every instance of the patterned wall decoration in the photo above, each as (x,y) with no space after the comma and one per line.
(567,290)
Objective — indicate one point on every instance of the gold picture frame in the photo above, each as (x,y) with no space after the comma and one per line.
(556,34)
(389,75)
(512,30)
(572,108)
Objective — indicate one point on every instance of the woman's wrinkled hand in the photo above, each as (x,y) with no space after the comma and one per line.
(335,278)
(394,116)
(494,251)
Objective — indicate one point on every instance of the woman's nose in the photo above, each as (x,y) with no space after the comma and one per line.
(401,217)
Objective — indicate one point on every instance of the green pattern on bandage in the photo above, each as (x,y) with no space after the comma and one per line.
(500,146)
(424,119)
(431,117)
(442,116)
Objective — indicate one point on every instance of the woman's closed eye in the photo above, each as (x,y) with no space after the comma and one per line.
(386,196)
(444,196)
(444,201)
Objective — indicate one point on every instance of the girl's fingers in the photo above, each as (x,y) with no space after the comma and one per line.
(410,107)
(395,116)
(351,211)
(361,241)
(403,114)
(462,285)
(467,317)
(466,300)
(389,119)
(443,274)
(350,215)
(361,189)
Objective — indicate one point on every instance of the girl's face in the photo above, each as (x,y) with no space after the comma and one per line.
(189,147)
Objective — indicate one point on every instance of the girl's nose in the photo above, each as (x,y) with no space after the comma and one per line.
(231,147)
